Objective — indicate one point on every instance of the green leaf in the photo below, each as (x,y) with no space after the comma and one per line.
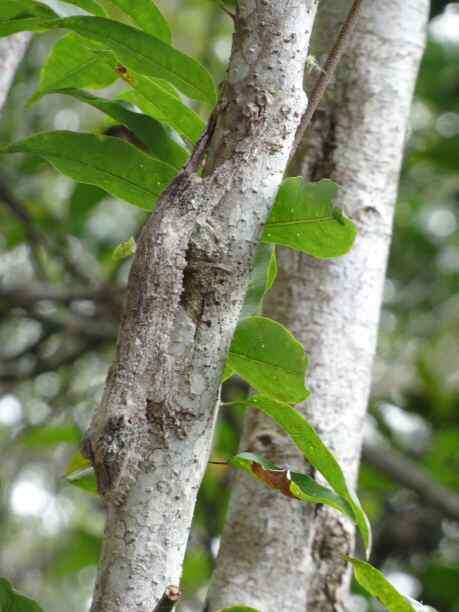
(150,132)
(304,219)
(76,463)
(374,581)
(317,454)
(154,97)
(83,479)
(138,51)
(80,473)
(290,484)
(90,6)
(73,62)
(22,9)
(50,435)
(267,356)
(12,601)
(76,548)
(125,249)
(146,15)
(227,373)
(26,24)
(109,163)
(83,200)
(261,280)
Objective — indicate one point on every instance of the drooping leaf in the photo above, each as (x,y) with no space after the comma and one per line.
(124,249)
(23,9)
(291,484)
(304,218)
(90,6)
(73,62)
(266,355)
(82,202)
(261,280)
(374,581)
(138,51)
(154,98)
(50,435)
(316,453)
(150,132)
(147,16)
(12,601)
(109,163)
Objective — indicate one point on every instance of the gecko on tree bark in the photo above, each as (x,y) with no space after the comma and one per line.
(150,437)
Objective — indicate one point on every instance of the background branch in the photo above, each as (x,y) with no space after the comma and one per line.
(410,475)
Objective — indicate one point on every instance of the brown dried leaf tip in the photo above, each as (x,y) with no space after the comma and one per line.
(276,479)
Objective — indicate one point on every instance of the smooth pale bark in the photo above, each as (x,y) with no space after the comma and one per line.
(275,554)
(12,50)
(150,437)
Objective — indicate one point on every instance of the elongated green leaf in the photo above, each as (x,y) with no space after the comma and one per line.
(290,484)
(12,601)
(109,163)
(266,355)
(73,62)
(374,581)
(304,219)
(150,132)
(90,6)
(50,435)
(315,451)
(22,9)
(146,15)
(154,97)
(261,280)
(136,50)
(24,23)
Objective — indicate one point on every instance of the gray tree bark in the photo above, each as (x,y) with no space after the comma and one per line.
(149,439)
(275,553)
(12,50)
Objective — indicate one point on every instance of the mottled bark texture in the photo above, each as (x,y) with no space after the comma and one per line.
(12,51)
(149,439)
(275,553)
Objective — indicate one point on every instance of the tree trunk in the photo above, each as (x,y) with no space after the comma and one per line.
(150,437)
(12,50)
(275,553)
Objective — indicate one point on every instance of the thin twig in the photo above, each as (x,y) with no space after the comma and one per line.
(329,69)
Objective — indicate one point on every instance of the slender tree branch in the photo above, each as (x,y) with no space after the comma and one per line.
(29,295)
(407,473)
(328,70)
